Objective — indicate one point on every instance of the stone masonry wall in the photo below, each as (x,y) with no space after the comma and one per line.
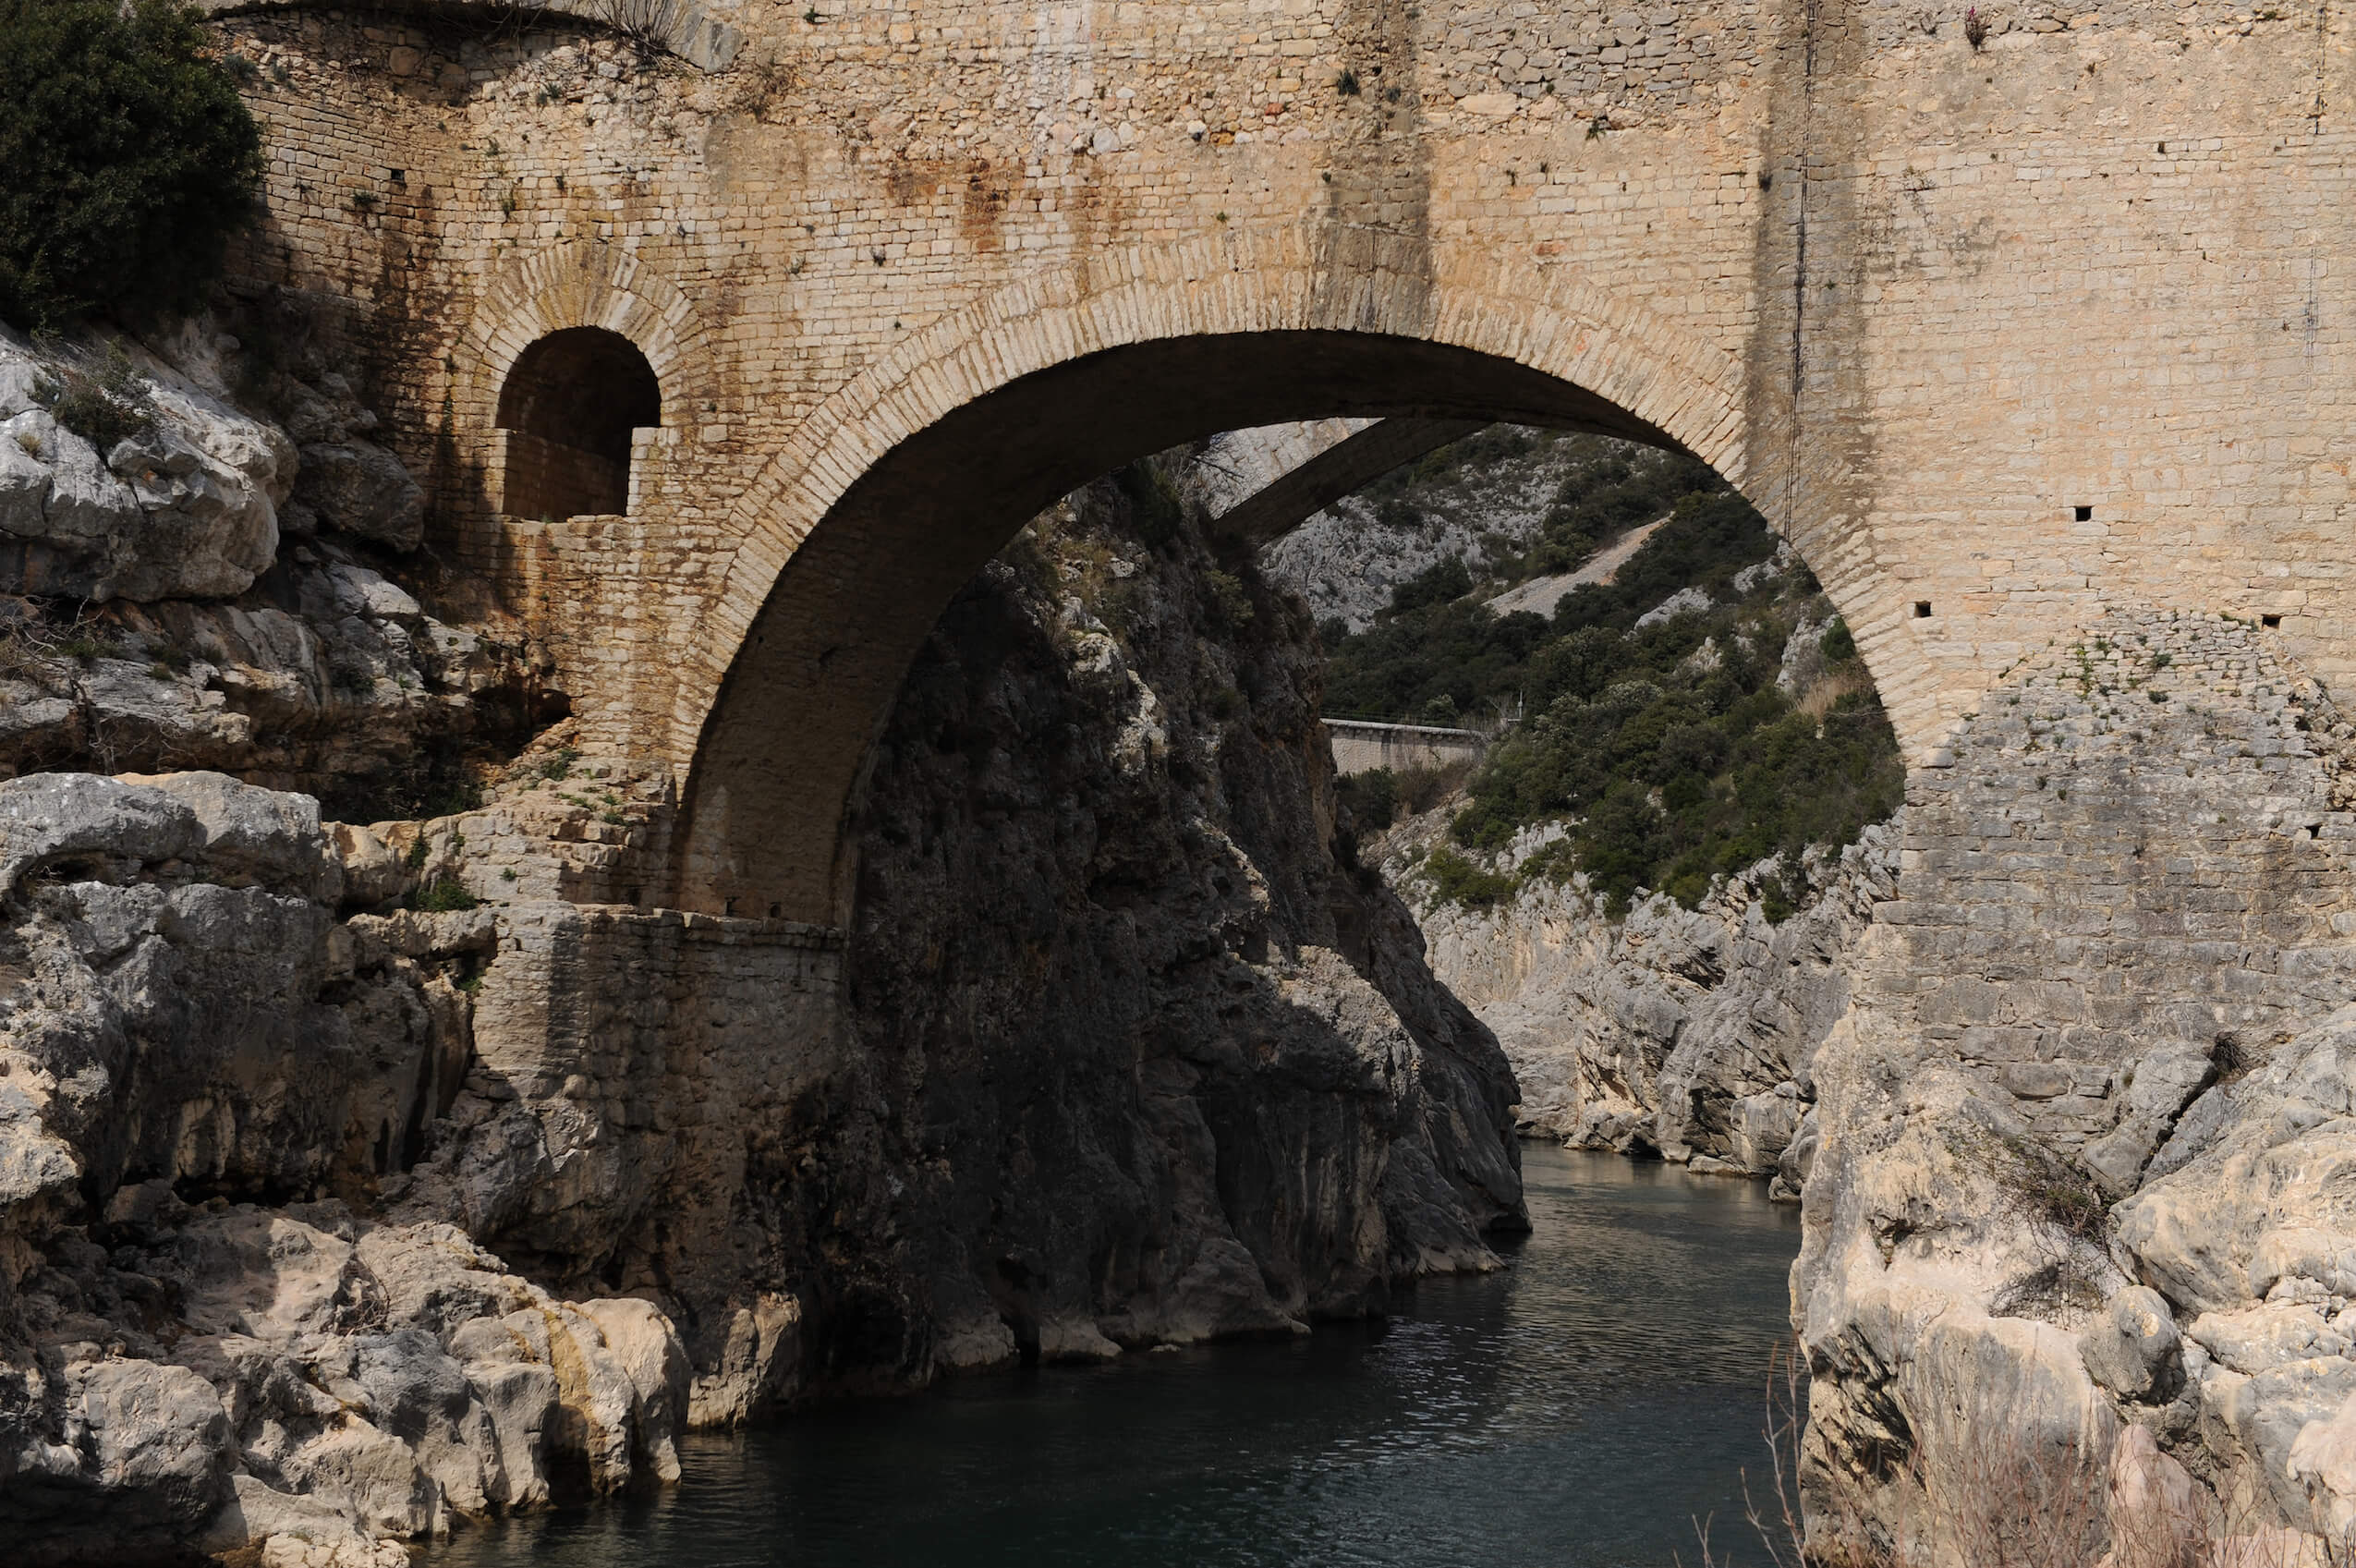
(2139,847)
(1925,302)
(2082,1132)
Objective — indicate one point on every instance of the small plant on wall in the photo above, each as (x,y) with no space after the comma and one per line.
(1975,28)
(651,27)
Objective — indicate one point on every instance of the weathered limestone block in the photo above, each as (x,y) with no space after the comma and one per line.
(648,1347)
(338,1429)
(185,509)
(760,1355)
(360,488)
(2135,1350)
(2098,1082)
(295,1531)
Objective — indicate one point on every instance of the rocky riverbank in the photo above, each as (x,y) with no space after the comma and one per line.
(358,1180)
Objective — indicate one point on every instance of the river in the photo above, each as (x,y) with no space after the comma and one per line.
(1582,1407)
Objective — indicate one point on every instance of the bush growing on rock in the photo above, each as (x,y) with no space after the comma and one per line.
(1459,880)
(1667,717)
(1372,797)
(103,406)
(131,160)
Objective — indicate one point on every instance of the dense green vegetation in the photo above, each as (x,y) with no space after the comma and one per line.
(130,159)
(1669,748)
(1379,798)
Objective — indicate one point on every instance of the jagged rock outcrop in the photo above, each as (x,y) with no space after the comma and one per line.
(2082,1134)
(1189,990)
(1685,1033)
(150,619)
(325,677)
(363,1179)
(183,503)
(1345,560)
(202,1344)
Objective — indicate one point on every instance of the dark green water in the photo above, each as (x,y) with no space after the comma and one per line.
(1582,1407)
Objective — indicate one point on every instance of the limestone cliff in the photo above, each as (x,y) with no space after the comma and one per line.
(2082,1167)
(1685,1033)
(1174,1062)
(358,1180)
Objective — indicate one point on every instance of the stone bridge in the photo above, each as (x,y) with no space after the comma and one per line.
(1360,747)
(730,363)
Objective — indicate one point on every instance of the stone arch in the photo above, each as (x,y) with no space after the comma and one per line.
(904,482)
(578,284)
(572,408)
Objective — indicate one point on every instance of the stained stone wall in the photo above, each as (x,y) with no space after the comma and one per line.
(2138,852)
(1998,336)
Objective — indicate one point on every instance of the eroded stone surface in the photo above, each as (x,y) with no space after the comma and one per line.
(2080,1134)
(189,1018)
(1688,1033)
(185,507)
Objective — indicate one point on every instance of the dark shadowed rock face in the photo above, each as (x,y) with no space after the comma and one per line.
(327,1222)
(1164,1062)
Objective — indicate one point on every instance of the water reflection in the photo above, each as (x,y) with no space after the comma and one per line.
(1581,1408)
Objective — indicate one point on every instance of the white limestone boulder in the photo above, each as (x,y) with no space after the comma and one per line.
(185,509)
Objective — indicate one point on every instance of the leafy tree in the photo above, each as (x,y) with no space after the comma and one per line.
(130,159)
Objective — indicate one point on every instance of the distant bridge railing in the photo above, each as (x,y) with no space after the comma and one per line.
(1361,745)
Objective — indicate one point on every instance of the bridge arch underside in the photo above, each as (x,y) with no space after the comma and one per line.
(783,748)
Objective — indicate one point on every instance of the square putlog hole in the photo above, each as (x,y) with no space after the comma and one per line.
(1921,609)
(2084,514)
(2270,622)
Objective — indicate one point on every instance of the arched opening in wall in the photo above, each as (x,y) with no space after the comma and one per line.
(572,410)
(814,682)
(1032,719)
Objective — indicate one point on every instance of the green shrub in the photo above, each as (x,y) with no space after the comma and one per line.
(1837,645)
(131,160)
(1372,798)
(102,406)
(84,645)
(444,895)
(1605,494)
(1420,788)
(1459,880)
(1436,583)
(1156,513)
(1230,601)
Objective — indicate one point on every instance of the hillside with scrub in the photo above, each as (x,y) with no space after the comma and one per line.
(1698,712)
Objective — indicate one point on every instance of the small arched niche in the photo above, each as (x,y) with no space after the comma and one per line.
(571,406)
